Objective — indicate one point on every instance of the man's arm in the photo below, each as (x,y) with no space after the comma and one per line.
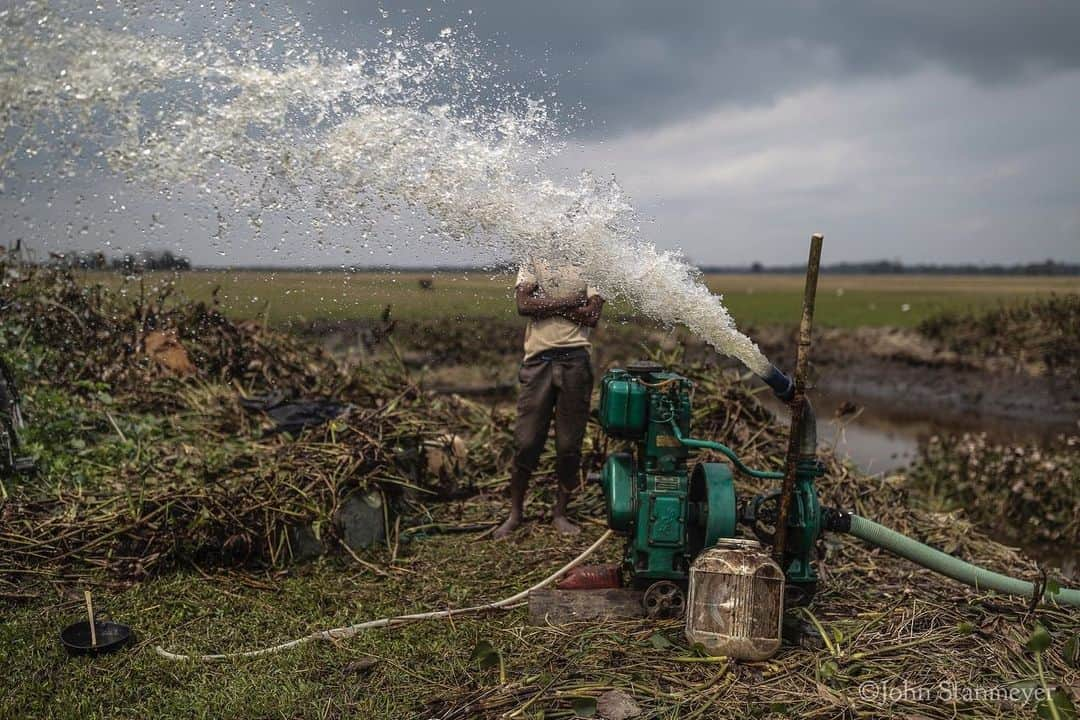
(587,314)
(530,304)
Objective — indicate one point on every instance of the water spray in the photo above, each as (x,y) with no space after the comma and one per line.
(336,143)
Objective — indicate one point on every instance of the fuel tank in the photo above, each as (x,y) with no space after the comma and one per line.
(736,601)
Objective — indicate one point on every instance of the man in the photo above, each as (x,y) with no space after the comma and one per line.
(556,377)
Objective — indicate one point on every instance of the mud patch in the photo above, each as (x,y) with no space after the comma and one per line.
(908,375)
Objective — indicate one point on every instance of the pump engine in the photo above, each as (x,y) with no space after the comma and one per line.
(669,508)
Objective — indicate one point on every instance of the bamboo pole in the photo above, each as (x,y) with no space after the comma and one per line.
(90,616)
(798,402)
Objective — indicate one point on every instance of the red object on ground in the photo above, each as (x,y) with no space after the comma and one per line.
(591,577)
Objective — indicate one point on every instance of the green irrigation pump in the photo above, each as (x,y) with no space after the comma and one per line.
(671,509)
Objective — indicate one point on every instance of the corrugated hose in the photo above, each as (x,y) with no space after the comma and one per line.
(952,567)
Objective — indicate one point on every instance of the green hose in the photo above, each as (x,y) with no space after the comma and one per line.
(949,566)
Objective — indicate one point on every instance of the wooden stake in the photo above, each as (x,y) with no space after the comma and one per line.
(90,614)
(798,402)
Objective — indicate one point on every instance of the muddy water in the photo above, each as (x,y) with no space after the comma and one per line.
(880,438)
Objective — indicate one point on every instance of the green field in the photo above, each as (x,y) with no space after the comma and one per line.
(285,298)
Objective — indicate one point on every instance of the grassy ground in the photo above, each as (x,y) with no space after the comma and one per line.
(428,671)
(382,674)
(843,301)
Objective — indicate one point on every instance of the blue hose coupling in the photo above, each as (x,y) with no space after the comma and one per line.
(780,383)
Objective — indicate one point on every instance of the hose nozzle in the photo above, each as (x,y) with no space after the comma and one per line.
(782,386)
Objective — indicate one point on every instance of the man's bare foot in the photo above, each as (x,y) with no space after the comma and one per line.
(509,526)
(564,526)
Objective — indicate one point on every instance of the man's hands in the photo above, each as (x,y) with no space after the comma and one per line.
(587,314)
(530,303)
(578,308)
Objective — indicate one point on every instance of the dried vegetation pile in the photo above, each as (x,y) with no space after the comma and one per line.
(1040,335)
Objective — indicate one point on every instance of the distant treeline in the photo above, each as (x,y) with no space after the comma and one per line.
(879,267)
(894,267)
(128,263)
(167,260)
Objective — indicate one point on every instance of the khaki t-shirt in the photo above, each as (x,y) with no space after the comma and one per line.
(554,332)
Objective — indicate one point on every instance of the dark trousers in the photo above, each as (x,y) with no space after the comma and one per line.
(560,385)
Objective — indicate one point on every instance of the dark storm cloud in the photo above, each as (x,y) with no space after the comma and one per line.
(924,131)
(636,63)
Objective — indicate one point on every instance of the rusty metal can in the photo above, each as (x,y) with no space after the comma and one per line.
(591,577)
(736,601)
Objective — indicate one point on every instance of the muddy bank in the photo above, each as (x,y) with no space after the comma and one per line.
(914,377)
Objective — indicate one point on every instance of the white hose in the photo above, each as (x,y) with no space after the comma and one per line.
(349,631)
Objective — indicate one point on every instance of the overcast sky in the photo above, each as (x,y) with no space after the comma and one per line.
(923,131)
